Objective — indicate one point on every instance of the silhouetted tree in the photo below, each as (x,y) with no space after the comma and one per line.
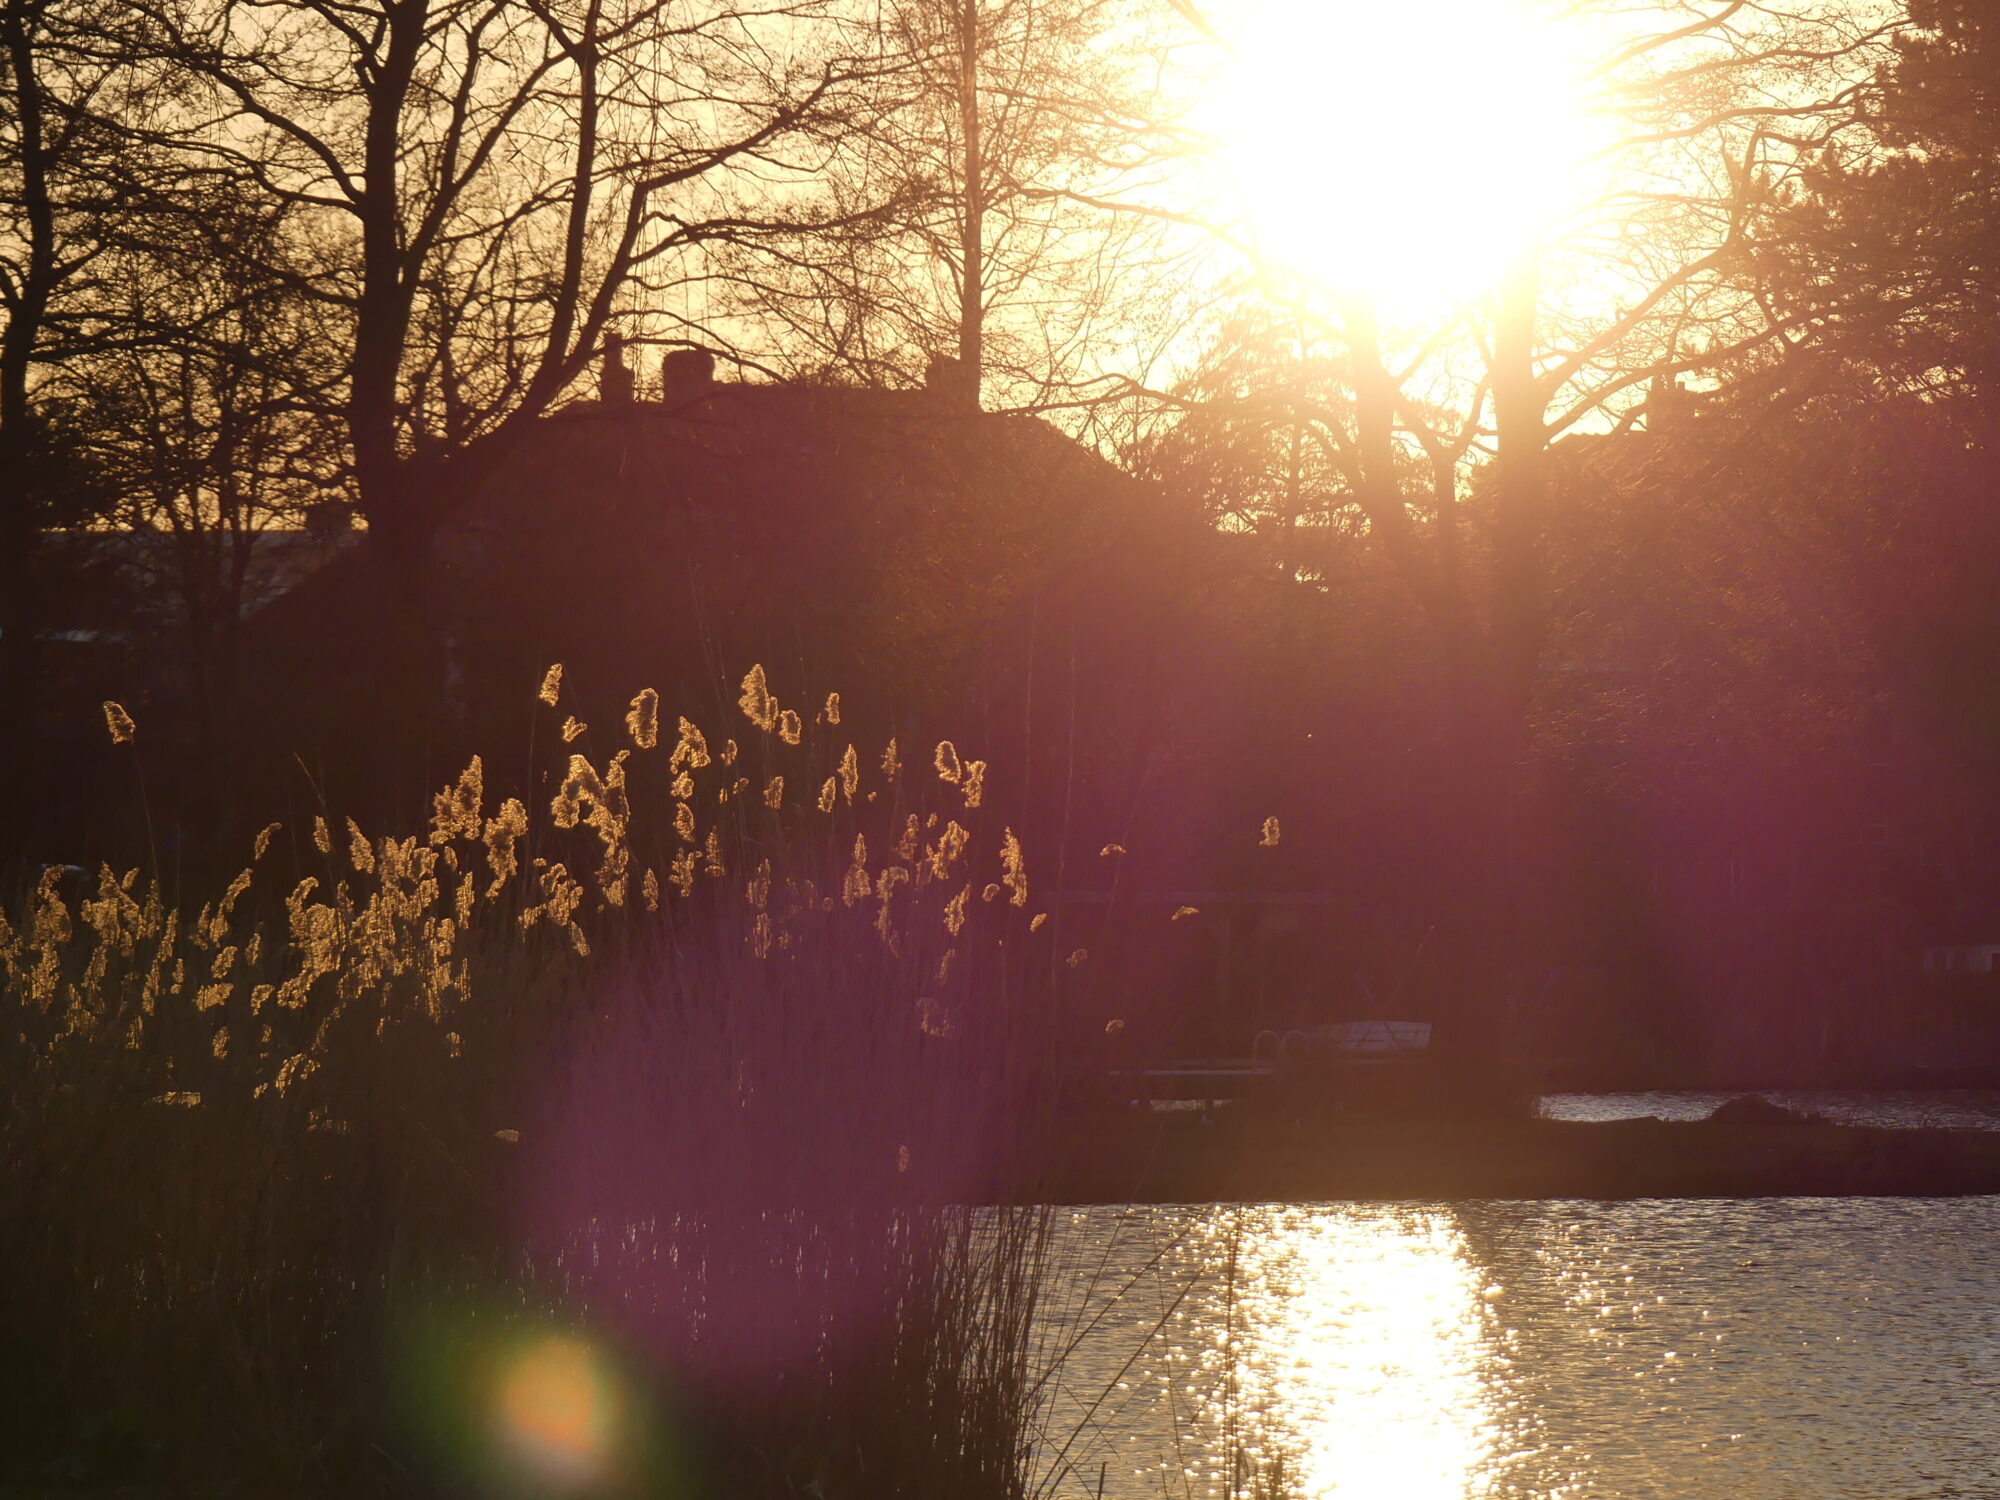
(1009,206)
(485,189)
(203,422)
(1441,435)
(1893,247)
(65,190)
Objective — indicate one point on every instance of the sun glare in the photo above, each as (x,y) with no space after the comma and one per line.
(1367,1339)
(1407,152)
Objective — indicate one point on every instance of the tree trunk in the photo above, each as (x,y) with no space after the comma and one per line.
(1483,896)
(398,513)
(1501,885)
(972,219)
(1521,436)
(20,507)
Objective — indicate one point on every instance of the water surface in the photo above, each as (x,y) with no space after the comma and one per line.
(1811,1349)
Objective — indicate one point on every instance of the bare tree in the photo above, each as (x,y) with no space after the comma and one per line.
(1718,106)
(1590,329)
(1015,206)
(483,190)
(64,191)
(203,421)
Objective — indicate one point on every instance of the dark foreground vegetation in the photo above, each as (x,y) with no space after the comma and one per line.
(640,1141)
(626,1145)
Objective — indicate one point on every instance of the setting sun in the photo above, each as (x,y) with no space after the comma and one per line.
(1405,153)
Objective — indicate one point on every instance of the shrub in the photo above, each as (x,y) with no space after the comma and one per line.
(631,1138)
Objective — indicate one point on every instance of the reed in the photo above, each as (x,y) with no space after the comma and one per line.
(620,1142)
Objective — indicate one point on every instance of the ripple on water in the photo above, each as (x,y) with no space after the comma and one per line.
(1838,1349)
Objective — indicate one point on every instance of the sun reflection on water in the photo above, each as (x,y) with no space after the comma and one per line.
(1365,1342)
(1275,1352)
(1756,1349)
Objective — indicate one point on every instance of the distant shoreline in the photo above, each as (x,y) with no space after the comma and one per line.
(1754,1154)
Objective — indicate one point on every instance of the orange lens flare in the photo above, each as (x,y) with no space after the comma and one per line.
(558,1412)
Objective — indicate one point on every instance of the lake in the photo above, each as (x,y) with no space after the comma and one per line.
(1811,1349)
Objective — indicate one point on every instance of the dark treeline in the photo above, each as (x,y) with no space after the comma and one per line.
(1616,663)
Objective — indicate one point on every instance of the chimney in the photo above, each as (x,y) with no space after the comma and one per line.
(686,376)
(614,381)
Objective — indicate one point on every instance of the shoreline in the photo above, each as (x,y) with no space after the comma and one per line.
(1262,1159)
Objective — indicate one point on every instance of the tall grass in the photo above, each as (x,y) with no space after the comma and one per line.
(621,1142)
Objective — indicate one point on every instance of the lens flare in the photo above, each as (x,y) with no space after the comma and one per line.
(558,1413)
